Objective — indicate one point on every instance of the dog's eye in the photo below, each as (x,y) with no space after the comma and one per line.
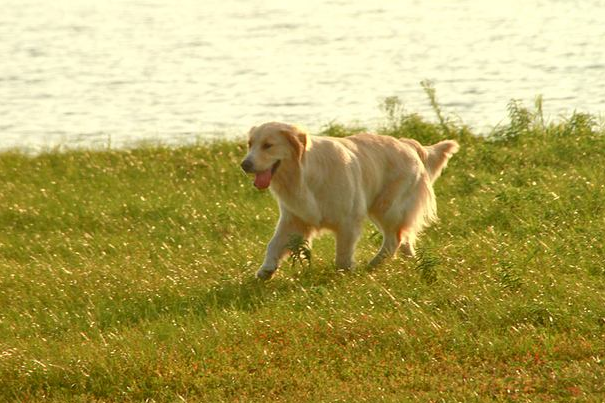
(267,146)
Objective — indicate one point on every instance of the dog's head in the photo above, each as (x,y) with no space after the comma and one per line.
(269,145)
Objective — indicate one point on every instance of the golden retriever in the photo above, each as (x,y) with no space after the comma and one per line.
(335,183)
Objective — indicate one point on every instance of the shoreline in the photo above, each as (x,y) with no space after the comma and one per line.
(486,131)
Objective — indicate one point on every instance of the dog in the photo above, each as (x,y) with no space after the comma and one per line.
(334,183)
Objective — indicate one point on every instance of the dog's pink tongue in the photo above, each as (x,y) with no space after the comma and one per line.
(262,180)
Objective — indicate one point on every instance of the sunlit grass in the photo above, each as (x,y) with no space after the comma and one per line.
(127,275)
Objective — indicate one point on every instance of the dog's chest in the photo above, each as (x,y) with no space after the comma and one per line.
(301,204)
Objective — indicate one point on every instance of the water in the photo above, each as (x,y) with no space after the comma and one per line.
(93,73)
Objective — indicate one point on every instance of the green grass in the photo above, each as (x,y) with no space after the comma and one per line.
(127,275)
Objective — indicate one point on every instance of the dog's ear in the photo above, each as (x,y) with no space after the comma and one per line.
(298,141)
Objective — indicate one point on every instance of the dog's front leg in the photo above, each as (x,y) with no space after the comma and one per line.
(346,238)
(287,226)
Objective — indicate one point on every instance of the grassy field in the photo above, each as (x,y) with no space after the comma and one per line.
(128,276)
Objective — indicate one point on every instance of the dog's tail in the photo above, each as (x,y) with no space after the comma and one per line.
(438,156)
(435,157)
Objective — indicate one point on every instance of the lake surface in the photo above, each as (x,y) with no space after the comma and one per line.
(93,73)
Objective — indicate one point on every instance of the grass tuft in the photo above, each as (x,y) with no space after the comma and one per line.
(300,251)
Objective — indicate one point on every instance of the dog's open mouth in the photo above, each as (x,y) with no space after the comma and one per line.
(262,180)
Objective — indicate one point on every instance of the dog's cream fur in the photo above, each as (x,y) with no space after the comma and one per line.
(335,183)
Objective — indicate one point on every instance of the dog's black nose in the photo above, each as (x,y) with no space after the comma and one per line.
(247,165)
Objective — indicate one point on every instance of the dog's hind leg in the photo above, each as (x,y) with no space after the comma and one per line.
(407,217)
(407,244)
(390,243)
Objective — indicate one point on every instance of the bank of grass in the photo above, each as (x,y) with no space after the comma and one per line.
(127,275)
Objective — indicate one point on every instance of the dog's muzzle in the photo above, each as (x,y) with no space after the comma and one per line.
(247,166)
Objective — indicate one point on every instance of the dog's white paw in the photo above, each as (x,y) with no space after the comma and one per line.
(265,273)
(407,250)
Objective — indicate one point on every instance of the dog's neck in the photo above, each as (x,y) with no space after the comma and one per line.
(287,182)
(289,187)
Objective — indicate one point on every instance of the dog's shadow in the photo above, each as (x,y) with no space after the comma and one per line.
(250,294)
(244,294)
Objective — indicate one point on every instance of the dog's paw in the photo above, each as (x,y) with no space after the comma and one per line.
(265,273)
(347,267)
(407,250)
(345,270)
